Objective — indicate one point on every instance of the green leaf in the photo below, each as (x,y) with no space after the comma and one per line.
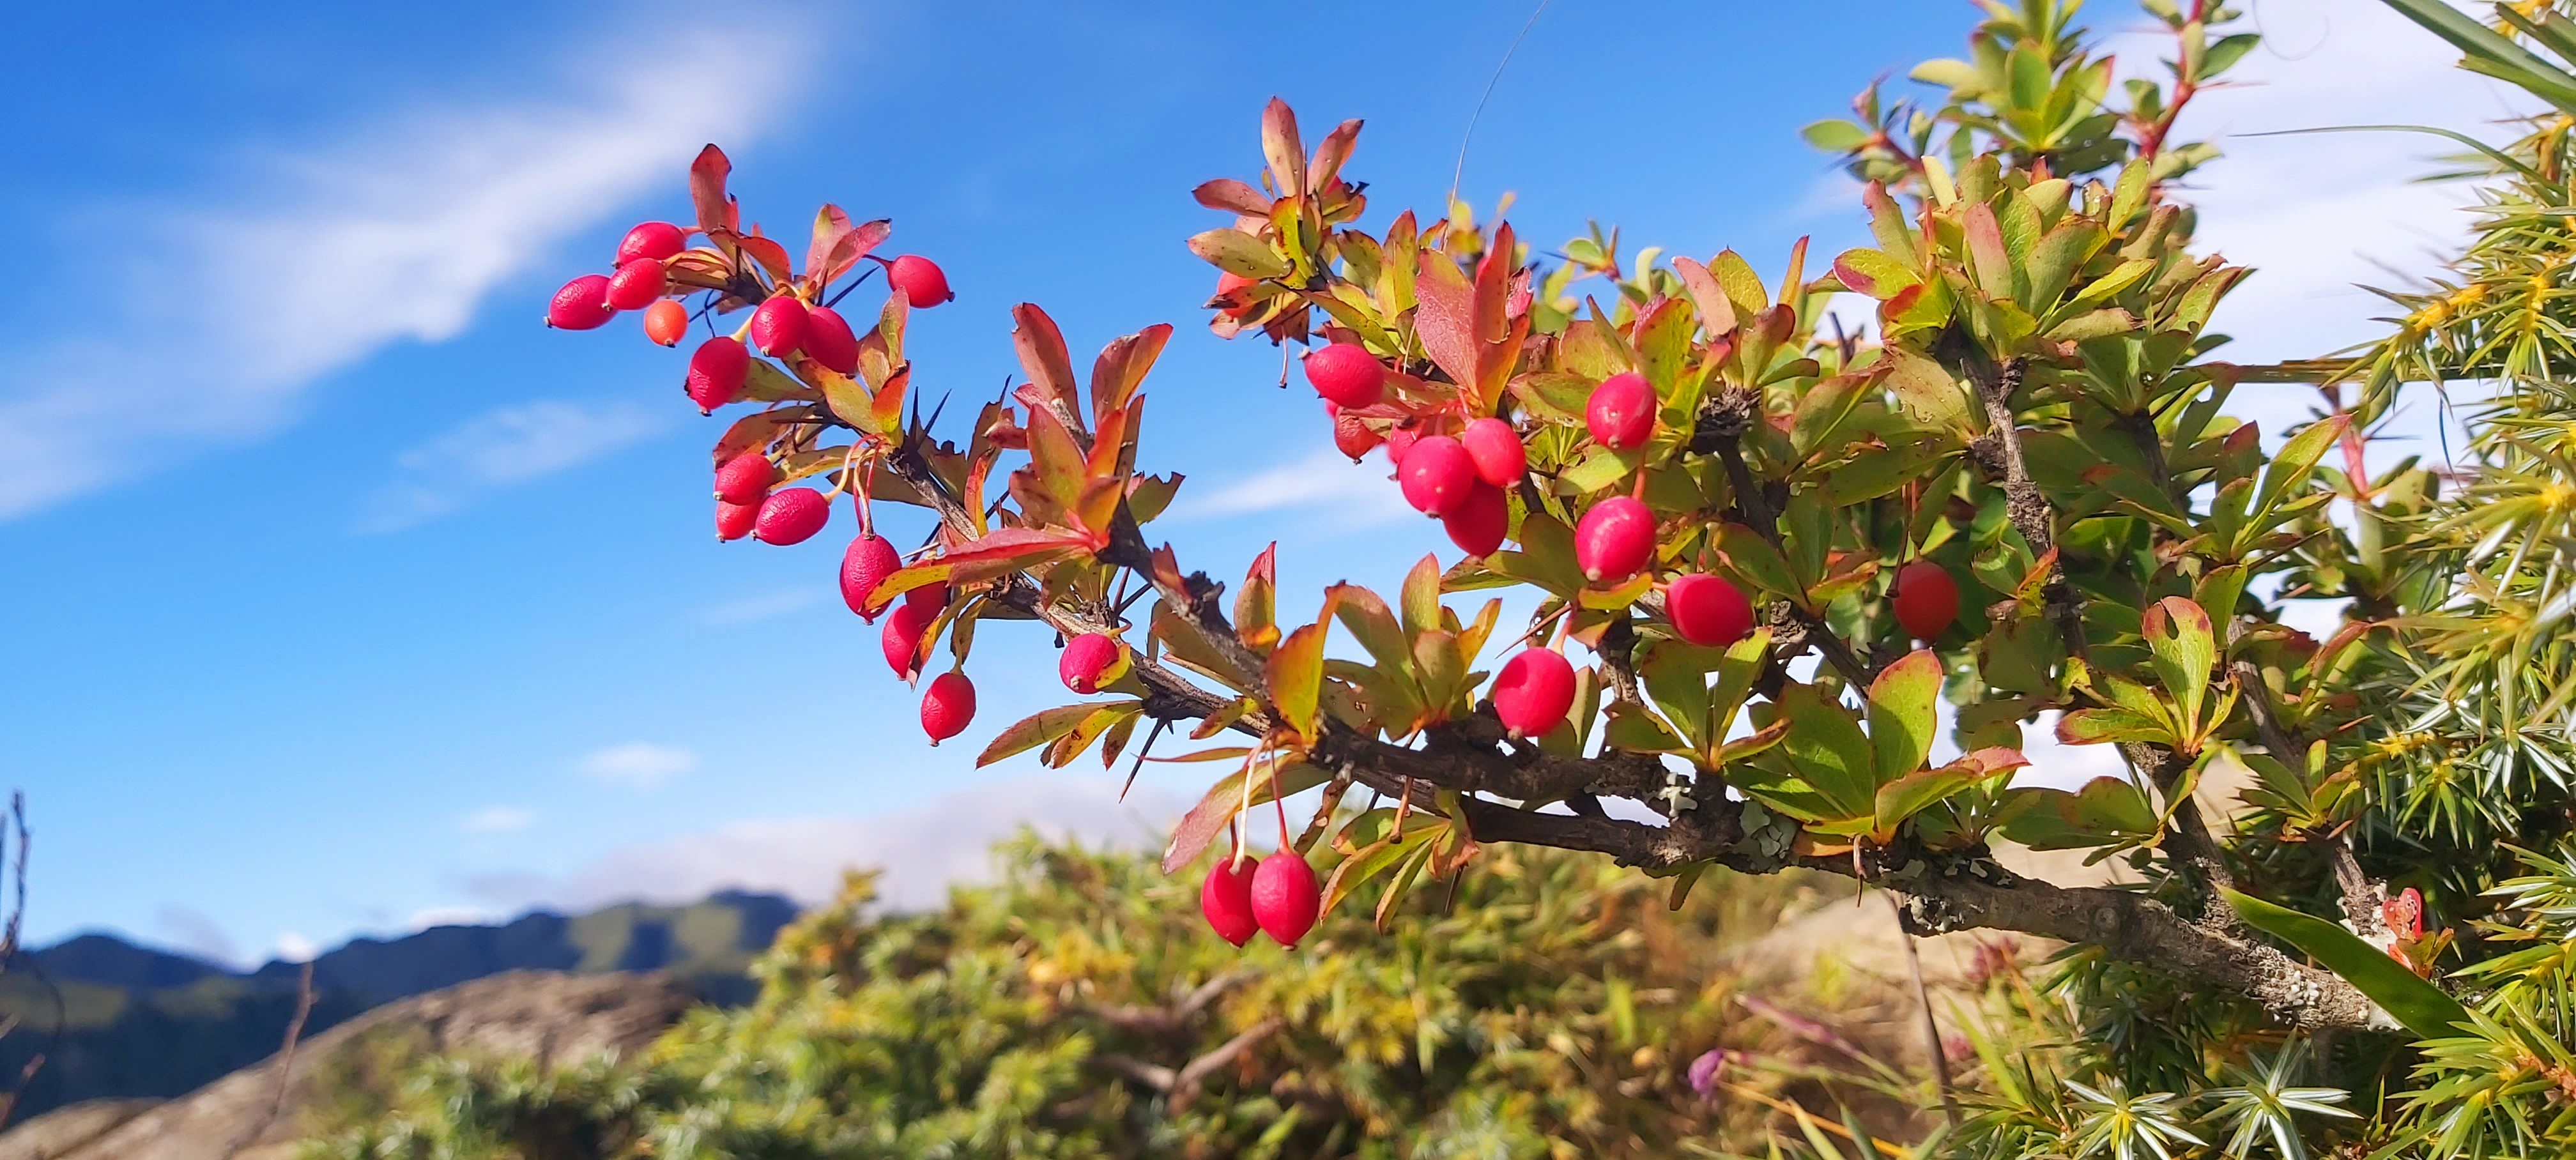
(1753,558)
(2489,52)
(1903,705)
(1926,390)
(2423,1008)
(1295,675)
(2099,726)
(1237,252)
(1829,752)
(2184,650)
(1872,272)
(1208,818)
(1037,729)
(1917,791)
(1835,136)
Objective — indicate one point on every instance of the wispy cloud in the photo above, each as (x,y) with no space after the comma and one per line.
(398,228)
(2315,214)
(1361,492)
(638,764)
(497,449)
(192,931)
(762,606)
(496,820)
(923,850)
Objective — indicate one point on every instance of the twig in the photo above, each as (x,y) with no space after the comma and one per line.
(285,1065)
(1931,1026)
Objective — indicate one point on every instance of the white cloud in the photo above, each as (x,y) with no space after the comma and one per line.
(2319,215)
(638,764)
(452,916)
(762,606)
(293,947)
(496,820)
(397,229)
(500,448)
(1362,492)
(923,850)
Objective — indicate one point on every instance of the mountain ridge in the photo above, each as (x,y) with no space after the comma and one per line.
(144,1021)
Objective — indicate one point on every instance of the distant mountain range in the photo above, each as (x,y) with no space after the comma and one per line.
(136,1021)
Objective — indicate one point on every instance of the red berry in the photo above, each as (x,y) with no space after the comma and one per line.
(792,516)
(1479,525)
(1437,475)
(1347,374)
(735,520)
(1621,414)
(1285,897)
(1496,449)
(746,478)
(1926,599)
(1708,610)
(930,598)
(779,326)
(1227,282)
(666,322)
(717,370)
(1226,900)
(1534,692)
(923,283)
(1086,659)
(828,340)
(865,565)
(1399,441)
(1614,539)
(948,706)
(659,241)
(902,637)
(582,304)
(1352,436)
(637,284)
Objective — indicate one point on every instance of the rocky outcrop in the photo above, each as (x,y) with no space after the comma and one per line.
(555,1018)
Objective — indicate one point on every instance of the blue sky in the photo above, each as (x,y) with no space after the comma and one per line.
(346,597)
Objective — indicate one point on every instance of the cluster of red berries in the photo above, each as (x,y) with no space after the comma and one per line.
(640,281)
(749,501)
(1278,896)
(1464,479)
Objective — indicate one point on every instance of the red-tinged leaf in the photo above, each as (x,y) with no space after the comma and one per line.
(1330,156)
(756,430)
(1035,730)
(1111,442)
(1993,262)
(1237,252)
(1006,550)
(1493,286)
(2097,726)
(1232,196)
(1281,146)
(1295,675)
(1446,319)
(1122,367)
(1208,818)
(855,243)
(1256,608)
(1903,704)
(1994,759)
(707,191)
(830,226)
(1043,356)
(1873,273)
(1716,310)
(1887,224)
(1057,459)
(771,256)
(1148,495)
(887,406)
(1420,597)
